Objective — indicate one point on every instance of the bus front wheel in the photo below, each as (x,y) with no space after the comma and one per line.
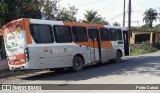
(77,64)
(118,57)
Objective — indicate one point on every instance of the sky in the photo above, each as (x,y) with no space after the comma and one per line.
(112,10)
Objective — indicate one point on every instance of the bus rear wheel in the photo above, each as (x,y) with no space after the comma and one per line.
(77,64)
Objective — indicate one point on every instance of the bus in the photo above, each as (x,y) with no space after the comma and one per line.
(48,44)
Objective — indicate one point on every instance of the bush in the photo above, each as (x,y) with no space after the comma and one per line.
(158,46)
(143,48)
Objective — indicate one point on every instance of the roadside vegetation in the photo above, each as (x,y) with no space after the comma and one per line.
(143,48)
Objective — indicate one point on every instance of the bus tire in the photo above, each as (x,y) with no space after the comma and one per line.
(77,64)
(118,57)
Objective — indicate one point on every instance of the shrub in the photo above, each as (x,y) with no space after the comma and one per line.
(143,48)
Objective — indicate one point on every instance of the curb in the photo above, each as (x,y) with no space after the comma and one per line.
(16,73)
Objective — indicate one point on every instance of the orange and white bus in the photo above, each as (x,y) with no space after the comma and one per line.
(46,44)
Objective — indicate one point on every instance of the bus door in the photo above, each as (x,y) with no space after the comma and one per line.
(94,43)
(120,39)
(126,43)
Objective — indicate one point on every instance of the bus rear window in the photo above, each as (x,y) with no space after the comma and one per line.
(41,33)
(62,34)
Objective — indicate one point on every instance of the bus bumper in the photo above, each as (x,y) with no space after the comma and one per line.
(20,67)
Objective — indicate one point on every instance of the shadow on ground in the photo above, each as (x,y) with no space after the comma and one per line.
(137,65)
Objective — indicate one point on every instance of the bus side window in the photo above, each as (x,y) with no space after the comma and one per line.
(41,33)
(62,34)
(34,33)
(119,34)
(104,34)
(45,34)
(79,34)
(113,34)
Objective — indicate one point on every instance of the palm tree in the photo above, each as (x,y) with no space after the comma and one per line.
(93,17)
(149,16)
(116,24)
(90,16)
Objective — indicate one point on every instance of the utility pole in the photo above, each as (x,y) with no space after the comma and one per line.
(124,12)
(129,18)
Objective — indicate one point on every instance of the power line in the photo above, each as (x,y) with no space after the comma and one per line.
(90,3)
(117,16)
(108,5)
(144,9)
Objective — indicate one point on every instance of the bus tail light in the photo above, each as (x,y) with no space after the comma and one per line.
(26,54)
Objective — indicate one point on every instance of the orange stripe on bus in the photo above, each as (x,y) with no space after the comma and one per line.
(28,34)
(104,44)
(80,24)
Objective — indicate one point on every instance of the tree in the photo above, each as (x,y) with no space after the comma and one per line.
(101,21)
(157,28)
(53,11)
(93,17)
(49,8)
(116,24)
(67,14)
(150,16)
(30,9)
(14,9)
(144,28)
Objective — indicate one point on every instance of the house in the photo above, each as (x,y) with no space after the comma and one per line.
(140,36)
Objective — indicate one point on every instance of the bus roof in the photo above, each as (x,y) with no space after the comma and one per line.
(121,27)
(42,21)
(12,22)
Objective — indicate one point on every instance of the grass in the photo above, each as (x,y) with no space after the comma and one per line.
(143,48)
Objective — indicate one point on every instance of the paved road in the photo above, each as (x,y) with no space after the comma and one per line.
(144,69)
